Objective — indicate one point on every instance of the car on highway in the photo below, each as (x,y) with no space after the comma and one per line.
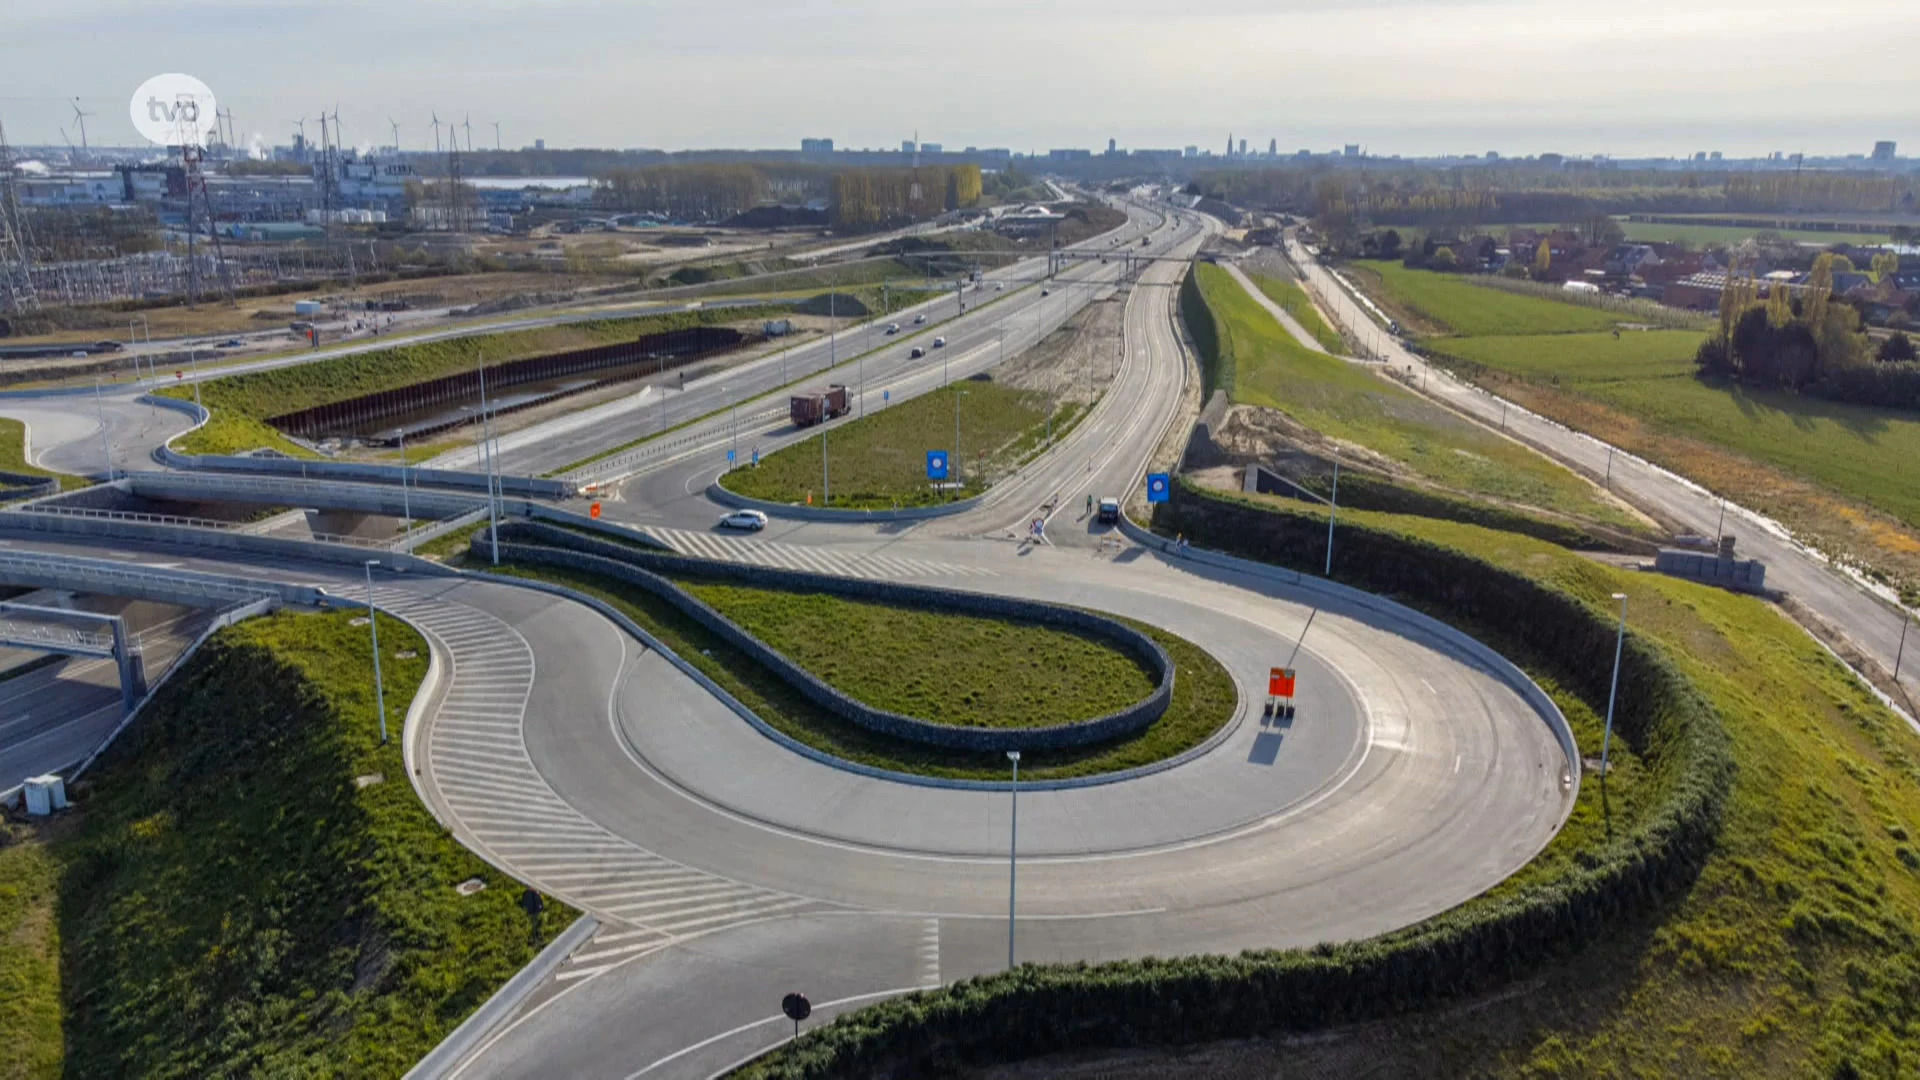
(751,520)
(230,343)
(1046,292)
(919,320)
(893,328)
(939,343)
(999,286)
(1109,512)
(917,353)
(107,346)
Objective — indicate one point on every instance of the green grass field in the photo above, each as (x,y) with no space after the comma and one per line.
(1204,698)
(1348,402)
(1473,310)
(880,460)
(1793,954)
(1705,232)
(1293,300)
(1870,454)
(942,667)
(227,900)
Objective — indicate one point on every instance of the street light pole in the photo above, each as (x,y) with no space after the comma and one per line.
(373,624)
(1333,509)
(1613,691)
(1899,654)
(959,465)
(1013,854)
(406,502)
(1720,529)
(486,446)
(193,357)
(105,446)
(826,478)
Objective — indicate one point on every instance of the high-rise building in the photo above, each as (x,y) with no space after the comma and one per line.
(1715,156)
(1273,147)
(1353,150)
(932,147)
(906,146)
(816,146)
(1229,144)
(1493,155)
(1883,150)
(1243,148)
(1191,151)
(1113,146)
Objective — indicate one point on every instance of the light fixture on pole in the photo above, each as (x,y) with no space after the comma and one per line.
(1333,509)
(406,501)
(1013,853)
(1613,691)
(1900,654)
(1720,529)
(373,625)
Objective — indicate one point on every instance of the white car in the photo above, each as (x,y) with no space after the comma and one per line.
(893,328)
(919,319)
(999,286)
(939,343)
(751,520)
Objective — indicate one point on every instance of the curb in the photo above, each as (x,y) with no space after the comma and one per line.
(822,513)
(463,1040)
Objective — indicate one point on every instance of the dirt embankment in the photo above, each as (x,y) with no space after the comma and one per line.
(1076,363)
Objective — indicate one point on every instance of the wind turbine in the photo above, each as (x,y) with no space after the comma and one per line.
(81,115)
(395,124)
(469,125)
(496,134)
(302,125)
(436,132)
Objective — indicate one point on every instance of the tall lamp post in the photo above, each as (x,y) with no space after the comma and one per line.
(1613,691)
(373,624)
(1013,853)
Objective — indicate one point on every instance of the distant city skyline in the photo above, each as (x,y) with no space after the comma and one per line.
(1637,78)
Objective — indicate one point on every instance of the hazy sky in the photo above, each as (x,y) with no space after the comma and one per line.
(1624,77)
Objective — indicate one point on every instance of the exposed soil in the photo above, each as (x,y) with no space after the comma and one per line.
(1076,363)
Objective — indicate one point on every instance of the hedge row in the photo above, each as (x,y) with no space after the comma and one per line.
(1037,1010)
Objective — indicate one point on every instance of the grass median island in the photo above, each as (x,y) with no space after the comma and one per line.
(241,404)
(942,667)
(13,456)
(1204,697)
(227,900)
(879,461)
(1294,301)
(1260,364)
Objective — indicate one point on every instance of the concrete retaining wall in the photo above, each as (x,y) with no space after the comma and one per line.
(556,547)
(212,540)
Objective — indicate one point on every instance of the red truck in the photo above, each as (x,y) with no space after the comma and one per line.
(809,409)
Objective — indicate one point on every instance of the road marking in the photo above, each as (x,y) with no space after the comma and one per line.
(930,953)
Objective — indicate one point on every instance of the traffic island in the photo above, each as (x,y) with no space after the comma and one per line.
(999,682)
(925,452)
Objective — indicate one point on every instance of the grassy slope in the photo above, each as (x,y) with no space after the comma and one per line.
(1204,698)
(230,903)
(1797,948)
(947,668)
(13,456)
(1293,299)
(240,403)
(881,459)
(29,958)
(1347,402)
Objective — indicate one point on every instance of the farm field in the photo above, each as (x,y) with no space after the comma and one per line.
(1455,306)
(1346,402)
(1704,232)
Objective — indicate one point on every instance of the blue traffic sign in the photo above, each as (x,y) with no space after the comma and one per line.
(729,457)
(1159,487)
(936,464)
(886,396)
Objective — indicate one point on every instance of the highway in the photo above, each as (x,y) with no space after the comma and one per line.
(726,870)
(1867,615)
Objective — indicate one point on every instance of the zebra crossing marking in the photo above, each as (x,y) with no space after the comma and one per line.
(778,555)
